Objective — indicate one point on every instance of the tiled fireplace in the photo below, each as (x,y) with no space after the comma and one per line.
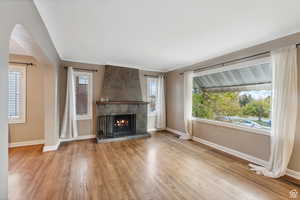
(124,114)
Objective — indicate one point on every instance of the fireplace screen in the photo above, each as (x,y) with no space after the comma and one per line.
(123,123)
(113,126)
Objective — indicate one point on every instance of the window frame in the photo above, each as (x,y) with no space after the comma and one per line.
(23,83)
(241,65)
(154,113)
(89,115)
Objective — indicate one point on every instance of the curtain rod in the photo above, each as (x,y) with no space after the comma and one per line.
(83,69)
(154,76)
(22,63)
(148,75)
(230,61)
(237,85)
(227,62)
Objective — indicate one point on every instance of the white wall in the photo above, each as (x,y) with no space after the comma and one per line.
(24,12)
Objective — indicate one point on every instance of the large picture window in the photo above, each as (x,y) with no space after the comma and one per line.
(239,94)
(16,94)
(83,93)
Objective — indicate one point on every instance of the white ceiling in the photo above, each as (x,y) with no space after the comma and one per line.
(163,34)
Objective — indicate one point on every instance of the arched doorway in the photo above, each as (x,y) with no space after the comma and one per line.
(24,12)
(30,86)
(25,90)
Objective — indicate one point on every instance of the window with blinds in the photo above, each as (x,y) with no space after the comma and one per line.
(152,95)
(16,94)
(83,94)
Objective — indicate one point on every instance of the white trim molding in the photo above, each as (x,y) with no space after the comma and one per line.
(20,117)
(155,129)
(232,152)
(233,126)
(89,114)
(244,156)
(180,133)
(51,148)
(255,160)
(26,143)
(293,174)
(55,147)
(80,137)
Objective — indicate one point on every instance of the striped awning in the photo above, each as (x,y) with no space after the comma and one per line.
(254,77)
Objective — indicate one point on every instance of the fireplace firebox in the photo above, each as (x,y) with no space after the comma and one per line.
(116,125)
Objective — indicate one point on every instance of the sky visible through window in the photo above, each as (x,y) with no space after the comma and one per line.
(257,94)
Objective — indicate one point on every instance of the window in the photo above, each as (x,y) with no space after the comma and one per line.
(152,95)
(83,93)
(239,94)
(16,94)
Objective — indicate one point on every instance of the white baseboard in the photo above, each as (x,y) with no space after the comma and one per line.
(180,133)
(155,129)
(55,147)
(293,174)
(26,143)
(244,156)
(51,148)
(255,160)
(232,152)
(80,137)
(152,130)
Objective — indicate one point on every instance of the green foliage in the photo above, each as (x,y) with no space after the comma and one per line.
(259,108)
(245,99)
(201,107)
(211,105)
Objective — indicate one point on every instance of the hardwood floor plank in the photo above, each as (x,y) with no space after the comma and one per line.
(161,167)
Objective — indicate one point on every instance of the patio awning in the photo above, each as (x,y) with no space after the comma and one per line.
(256,76)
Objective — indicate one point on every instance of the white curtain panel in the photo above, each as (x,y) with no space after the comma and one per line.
(188,101)
(161,104)
(284,111)
(69,125)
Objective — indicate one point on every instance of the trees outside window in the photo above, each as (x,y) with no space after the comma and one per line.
(246,108)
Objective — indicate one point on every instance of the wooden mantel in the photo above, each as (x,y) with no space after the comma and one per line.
(120,102)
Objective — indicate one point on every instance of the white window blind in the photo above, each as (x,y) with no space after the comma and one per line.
(16,94)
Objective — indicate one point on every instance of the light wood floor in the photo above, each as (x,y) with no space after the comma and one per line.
(160,167)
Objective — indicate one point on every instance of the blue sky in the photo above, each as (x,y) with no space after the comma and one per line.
(257,94)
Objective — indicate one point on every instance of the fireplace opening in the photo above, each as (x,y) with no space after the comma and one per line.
(123,124)
(117,125)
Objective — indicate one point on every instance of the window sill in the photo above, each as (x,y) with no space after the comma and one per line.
(233,126)
(16,122)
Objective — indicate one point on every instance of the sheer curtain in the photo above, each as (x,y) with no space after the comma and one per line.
(284,112)
(188,101)
(69,125)
(161,104)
